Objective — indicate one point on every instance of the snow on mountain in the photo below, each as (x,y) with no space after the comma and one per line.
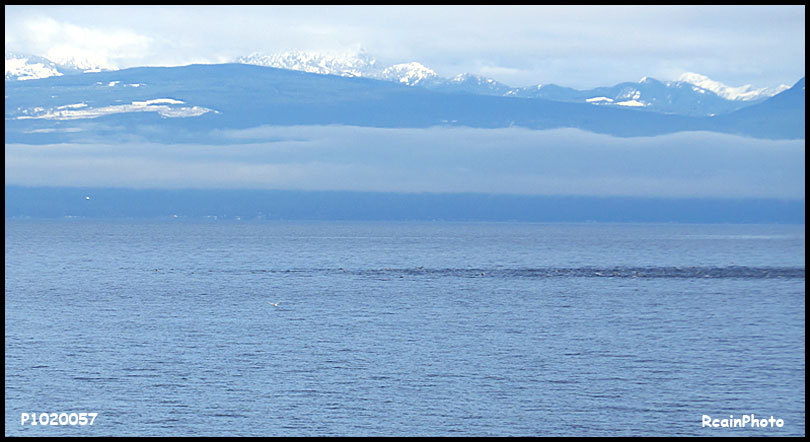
(668,97)
(233,98)
(742,93)
(648,94)
(408,73)
(165,107)
(357,64)
(599,100)
(30,67)
(475,84)
(82,64)
(360,64)
(692,94)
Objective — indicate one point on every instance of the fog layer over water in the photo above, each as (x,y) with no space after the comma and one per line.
(441,159)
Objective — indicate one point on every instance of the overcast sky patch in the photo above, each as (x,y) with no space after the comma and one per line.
(575,46)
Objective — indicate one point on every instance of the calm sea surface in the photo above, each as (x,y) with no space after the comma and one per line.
(403,329)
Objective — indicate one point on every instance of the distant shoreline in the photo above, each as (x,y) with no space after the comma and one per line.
(288,205)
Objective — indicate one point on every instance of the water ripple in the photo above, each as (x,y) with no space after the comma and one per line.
(691,272)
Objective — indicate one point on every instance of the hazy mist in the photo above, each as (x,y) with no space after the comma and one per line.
(499,161)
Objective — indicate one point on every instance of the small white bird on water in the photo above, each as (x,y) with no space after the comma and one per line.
(274,304)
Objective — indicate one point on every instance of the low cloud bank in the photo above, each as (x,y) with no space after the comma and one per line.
(441,160)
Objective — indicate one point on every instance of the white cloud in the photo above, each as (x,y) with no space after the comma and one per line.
(575,46)
(85,47)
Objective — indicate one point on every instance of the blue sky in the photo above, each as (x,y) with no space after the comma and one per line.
(575,46)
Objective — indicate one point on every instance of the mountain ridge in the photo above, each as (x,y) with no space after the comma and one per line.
(702,97)
(195,103)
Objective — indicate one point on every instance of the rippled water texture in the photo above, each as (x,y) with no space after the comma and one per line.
(436,329)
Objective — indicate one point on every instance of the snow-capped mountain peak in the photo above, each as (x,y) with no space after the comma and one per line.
(358,64)
(412,73)
(476,84)
(29,67)
(82,64)
(467,77)
(742,93)
(352,64)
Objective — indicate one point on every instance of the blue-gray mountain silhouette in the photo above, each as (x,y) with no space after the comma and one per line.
(238,96)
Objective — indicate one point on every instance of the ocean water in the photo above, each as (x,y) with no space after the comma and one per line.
(182,328)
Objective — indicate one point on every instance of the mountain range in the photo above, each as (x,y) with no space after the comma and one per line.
(691,95)
(200,103)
